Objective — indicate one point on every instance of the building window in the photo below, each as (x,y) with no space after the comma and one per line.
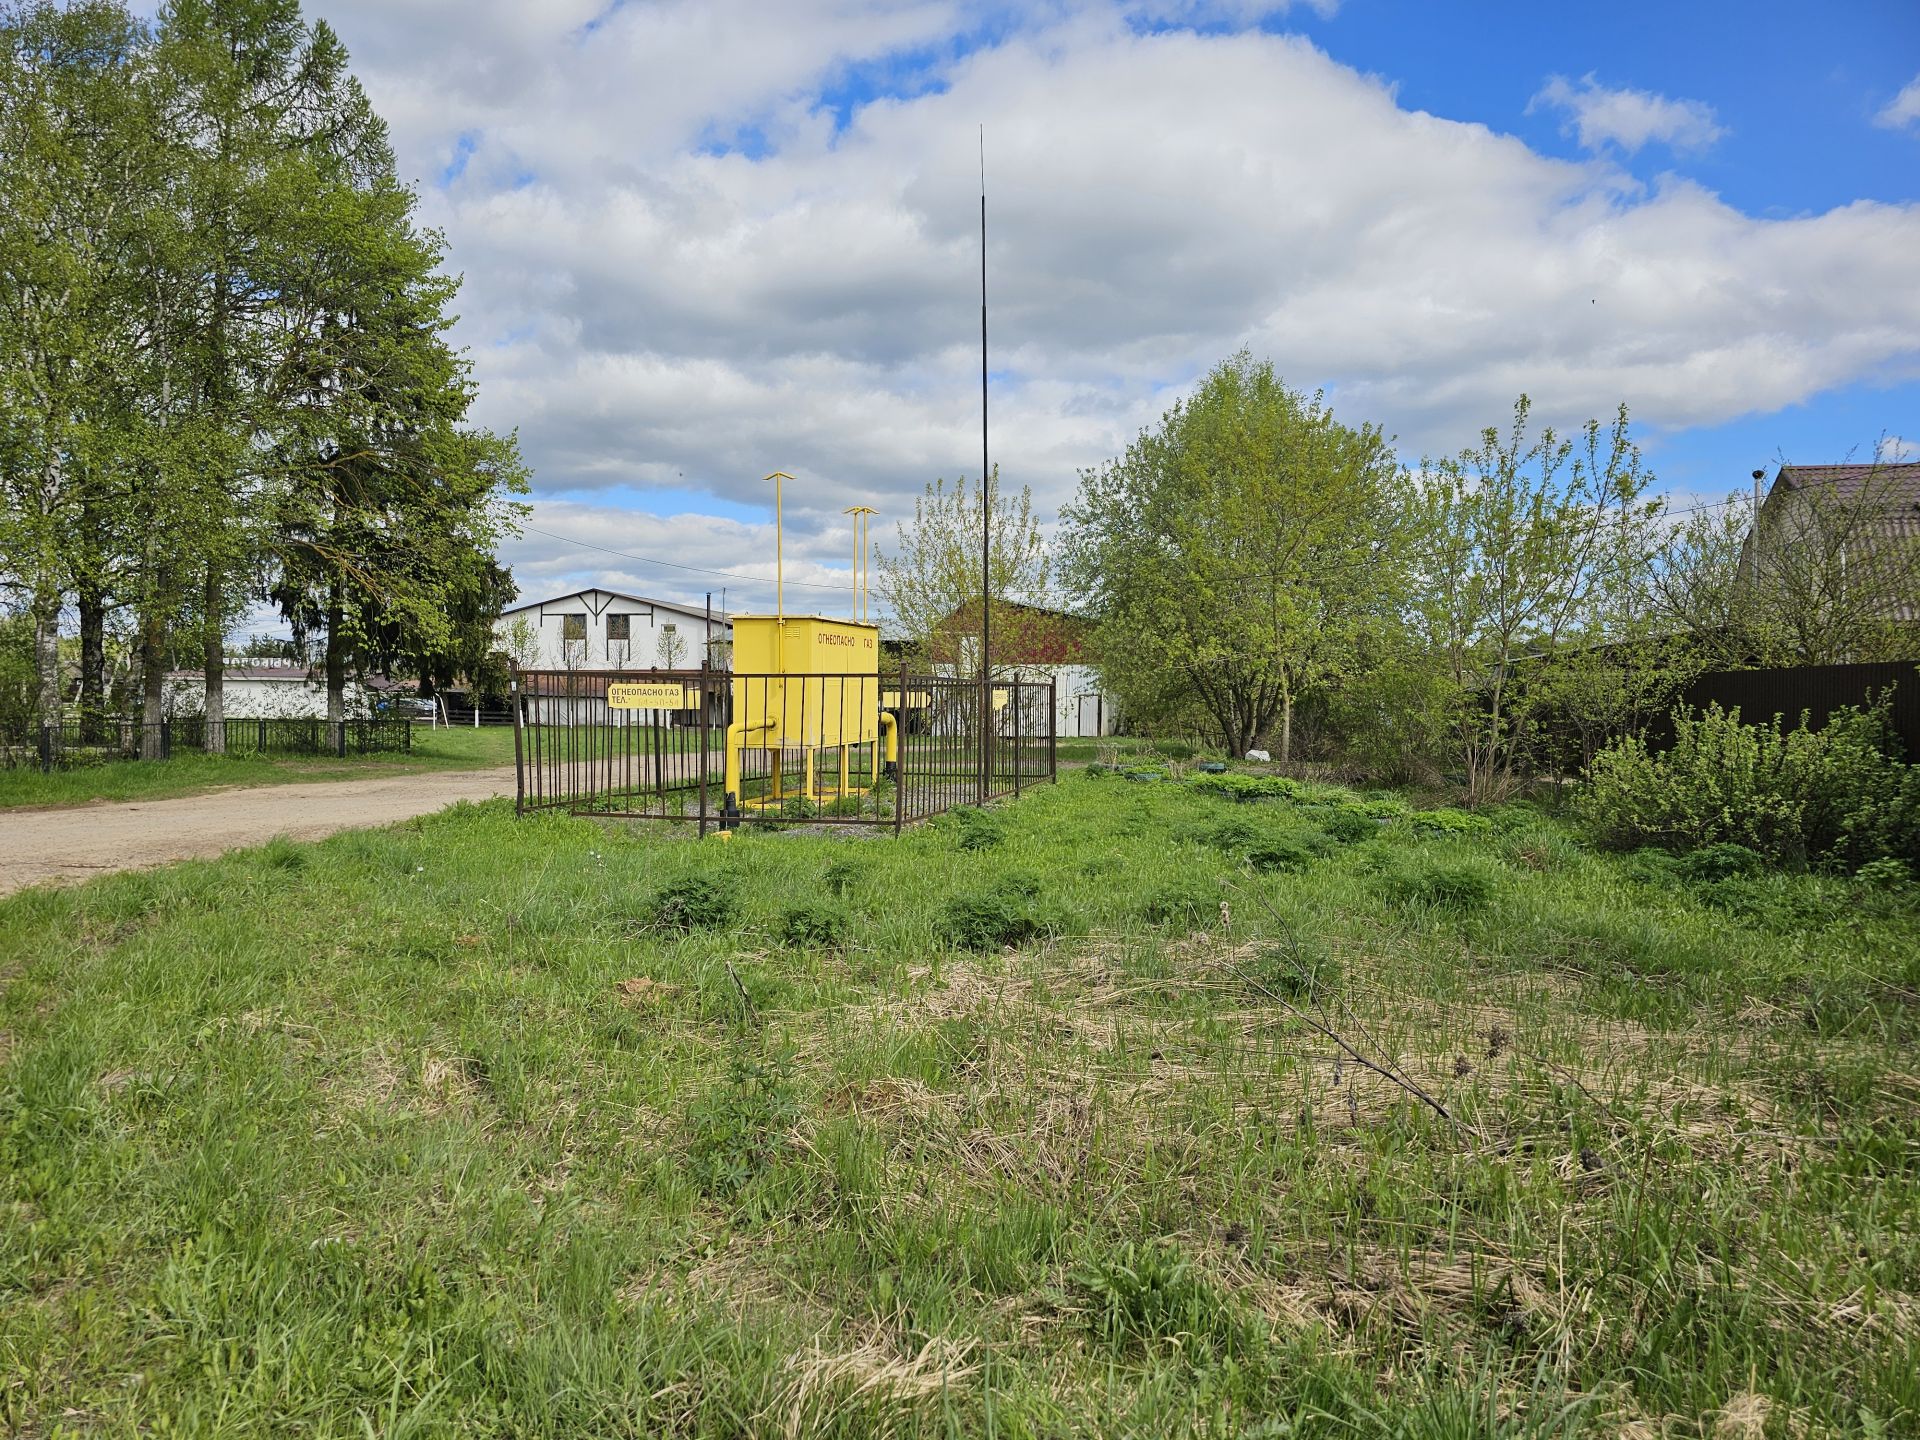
(573,627)
(619,627)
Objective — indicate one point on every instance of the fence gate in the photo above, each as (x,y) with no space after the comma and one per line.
(715,748)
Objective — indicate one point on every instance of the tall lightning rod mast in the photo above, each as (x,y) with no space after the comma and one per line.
(986,505)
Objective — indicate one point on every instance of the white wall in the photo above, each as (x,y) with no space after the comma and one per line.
(292,697)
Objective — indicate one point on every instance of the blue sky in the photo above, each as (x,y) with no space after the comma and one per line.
(703,240)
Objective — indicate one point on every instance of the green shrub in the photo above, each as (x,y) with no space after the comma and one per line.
(812,925)
(1247,787)
(1185,900)
(1459,886)
(1005,913)
(1286,971)
(1279,852)
(1349,825)
(840,876)
(1722,861)
(1886,873)
(1448,822)
(975,829)
(1836,797)
(693,902)
(1234,835)
(1536,846)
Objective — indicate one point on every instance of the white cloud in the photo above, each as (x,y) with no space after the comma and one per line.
(1892,448)
(657,310)
(1903,110)
(1629,119)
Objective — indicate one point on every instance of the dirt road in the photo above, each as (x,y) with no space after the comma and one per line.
(87,840)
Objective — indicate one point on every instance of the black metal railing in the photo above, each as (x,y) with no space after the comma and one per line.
(72,744)
(804,748)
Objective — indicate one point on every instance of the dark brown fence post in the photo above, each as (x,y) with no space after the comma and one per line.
(1019,755)
(706,732)
(900,754)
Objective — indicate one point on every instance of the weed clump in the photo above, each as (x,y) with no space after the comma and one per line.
(1279,853)
(1349,824)
(737,1127)
(1003,914)
(840,877)
(1447,822)
(1724,861)
(812,925)
(693,902)
(1459,886)
(1183,901)
(976,829)
(1146,1294)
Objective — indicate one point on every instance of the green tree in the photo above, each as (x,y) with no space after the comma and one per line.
(1238,556)
(78,174)
(930,582)
(273,125)
(390,499)
(1526,544)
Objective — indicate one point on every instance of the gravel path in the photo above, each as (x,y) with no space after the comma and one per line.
(80,841)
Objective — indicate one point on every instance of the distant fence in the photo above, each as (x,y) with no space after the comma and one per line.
(807,748)
(73,744)
(466,717)
(1818,690)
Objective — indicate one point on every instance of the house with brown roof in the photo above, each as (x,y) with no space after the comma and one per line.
(1842,528)
(1033,642)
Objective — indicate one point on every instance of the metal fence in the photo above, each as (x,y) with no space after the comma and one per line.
(72,744)
(727,749)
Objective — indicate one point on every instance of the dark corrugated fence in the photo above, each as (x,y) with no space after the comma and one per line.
(1818,690)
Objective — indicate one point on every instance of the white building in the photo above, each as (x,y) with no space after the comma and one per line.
(606,630)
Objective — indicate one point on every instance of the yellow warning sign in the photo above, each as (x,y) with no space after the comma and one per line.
(630,695)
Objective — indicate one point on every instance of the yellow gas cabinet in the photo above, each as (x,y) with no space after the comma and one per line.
(803,686)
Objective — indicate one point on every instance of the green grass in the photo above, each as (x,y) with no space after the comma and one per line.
(189,772)
(476,1127)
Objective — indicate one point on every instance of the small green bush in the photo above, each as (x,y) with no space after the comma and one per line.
(812,925)
(975,829)
(1837,797)
(1236,786)
(1006,913)
(1185,900)
(1723,861)
(841,876)
(1884,874)
(1349,825)
(1460,886)
(1537,846)
(1279,852)
(693,902)
(1234,835)
(1447,822)
(738,1129)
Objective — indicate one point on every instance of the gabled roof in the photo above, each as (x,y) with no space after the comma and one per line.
(720,616)
(1896,483)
